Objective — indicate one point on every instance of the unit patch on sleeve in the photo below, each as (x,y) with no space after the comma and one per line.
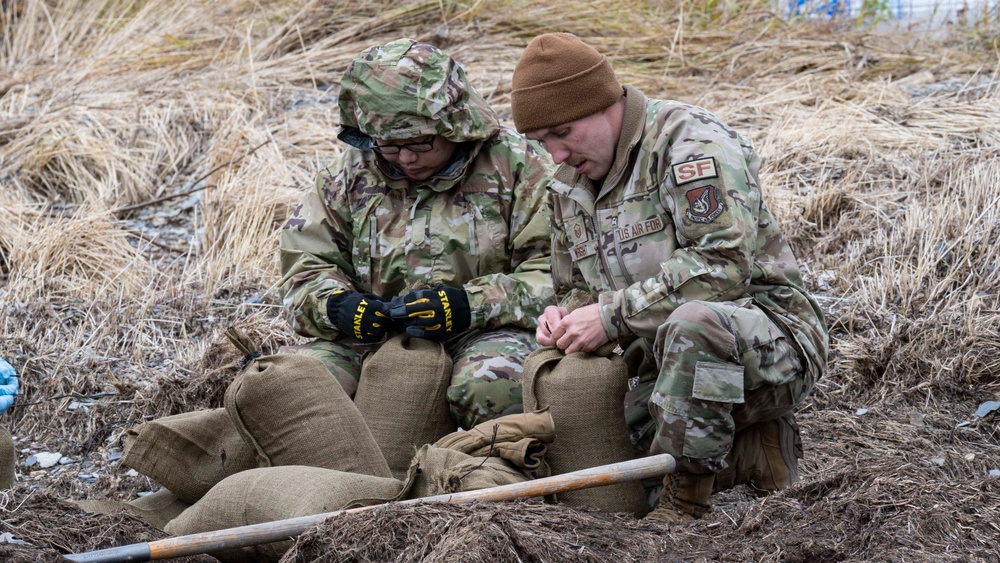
(687,172)
(704,204)
(629,232)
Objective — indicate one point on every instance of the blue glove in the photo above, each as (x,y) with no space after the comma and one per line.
(8,385)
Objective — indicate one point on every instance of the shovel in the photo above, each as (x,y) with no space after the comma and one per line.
(267,532)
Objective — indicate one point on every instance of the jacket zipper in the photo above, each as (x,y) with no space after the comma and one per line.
(618,251)
(596,226)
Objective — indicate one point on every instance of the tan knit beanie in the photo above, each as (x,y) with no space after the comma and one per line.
(560,79)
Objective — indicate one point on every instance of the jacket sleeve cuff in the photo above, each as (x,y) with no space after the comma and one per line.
(479,311)
(614,325)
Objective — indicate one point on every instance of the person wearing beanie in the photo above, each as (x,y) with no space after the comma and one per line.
(661,242)
(434,221)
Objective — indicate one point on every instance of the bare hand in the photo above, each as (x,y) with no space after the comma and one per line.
(548,322)
(579,331)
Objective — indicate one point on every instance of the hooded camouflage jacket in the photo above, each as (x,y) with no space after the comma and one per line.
(678,218)
(481,223)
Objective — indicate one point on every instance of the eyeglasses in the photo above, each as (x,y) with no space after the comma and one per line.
(422,146)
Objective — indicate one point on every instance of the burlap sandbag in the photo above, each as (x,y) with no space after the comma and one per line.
(294,412)
(584,393)
(155,509)
(436,471)
(188,453)
(7,458)
(277,493)
(402,397)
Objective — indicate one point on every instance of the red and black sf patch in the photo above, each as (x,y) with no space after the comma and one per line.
(704,204)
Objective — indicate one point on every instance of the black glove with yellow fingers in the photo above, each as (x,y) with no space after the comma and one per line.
(435,314)
(363,316)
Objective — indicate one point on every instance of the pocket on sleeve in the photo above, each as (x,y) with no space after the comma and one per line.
(721,383)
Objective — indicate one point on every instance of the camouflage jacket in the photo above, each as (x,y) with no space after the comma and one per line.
(678,218)
(481,223)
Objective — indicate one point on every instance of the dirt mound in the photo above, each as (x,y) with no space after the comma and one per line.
(476,532)
(42,527)
(854,515)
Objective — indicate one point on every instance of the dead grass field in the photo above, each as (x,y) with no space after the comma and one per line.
(149,150)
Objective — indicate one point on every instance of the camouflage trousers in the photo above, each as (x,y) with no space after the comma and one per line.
(486,379)
(712,370)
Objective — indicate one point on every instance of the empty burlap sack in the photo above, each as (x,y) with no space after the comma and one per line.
(402,397)
(584,393)
(156,509)
(188,453)
(7,458)
(437,471)
(521,439)
(294,412)
(277,493)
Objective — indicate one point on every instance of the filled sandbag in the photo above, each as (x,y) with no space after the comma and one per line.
(402,396)
(585,393)
(188,453)
(269,494)
(293,412)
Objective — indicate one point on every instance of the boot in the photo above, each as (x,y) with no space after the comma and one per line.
(685,497)
(764,455)
(726,478)
(777,461)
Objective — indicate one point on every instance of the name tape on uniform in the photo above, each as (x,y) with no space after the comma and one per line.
(583,250)
(629,232)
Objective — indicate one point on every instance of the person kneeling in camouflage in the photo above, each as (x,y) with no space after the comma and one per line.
(659,224)
(434,220)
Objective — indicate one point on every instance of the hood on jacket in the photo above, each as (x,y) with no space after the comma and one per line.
(406,89)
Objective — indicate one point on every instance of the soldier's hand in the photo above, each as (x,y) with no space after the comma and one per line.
(548,324)
(436,314)
(581,330)
(362,316)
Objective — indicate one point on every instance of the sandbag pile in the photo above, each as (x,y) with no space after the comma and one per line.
(290,442)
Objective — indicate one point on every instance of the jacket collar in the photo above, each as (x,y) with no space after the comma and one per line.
(631,133)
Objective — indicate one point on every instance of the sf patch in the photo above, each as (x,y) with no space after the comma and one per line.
(704,204)
(687,172)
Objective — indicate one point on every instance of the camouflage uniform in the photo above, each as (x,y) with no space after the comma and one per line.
(693,280)
(481,223)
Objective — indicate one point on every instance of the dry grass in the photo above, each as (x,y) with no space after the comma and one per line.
(80,255)
(880,152)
